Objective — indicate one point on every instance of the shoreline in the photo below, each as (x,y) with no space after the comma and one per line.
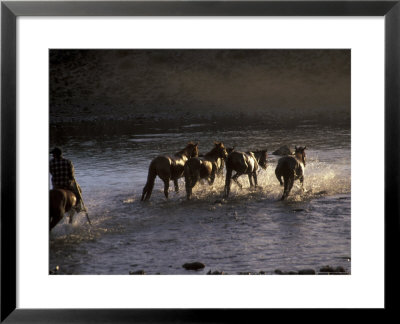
(325,270)
(153,123)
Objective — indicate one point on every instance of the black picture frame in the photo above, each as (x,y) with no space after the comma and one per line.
(10,10)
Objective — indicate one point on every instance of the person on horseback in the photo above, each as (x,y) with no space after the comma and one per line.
(63,177)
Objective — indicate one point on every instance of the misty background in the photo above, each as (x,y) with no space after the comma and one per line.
(140,87)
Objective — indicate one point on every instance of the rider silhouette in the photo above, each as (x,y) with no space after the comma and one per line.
(63,176)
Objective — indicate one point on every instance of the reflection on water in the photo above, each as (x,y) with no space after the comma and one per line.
(251,231)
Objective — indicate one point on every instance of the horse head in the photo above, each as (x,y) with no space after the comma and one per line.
(263,159)
(192,149)
(300,154)
(220,150)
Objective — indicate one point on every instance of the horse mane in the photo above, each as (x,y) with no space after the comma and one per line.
(217,145)
(260,151)
(184,150)
(211,152)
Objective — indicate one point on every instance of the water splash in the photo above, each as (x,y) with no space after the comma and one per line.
(321,179)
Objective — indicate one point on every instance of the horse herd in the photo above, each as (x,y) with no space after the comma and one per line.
(188,164)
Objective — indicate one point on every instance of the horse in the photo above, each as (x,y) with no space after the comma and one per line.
(168,168)
(221,162)
(220,170)
(61,202)
(204,167)
(244,163)
(291,168)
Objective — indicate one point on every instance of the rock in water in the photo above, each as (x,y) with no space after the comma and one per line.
(283,150)
(339,269)
(139,272)
(307,272)
(326,269)
(193,266)
(329,269)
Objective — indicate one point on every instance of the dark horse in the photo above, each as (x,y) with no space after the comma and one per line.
(204,167)
(168,168)
(244,163)
(221,166)
(291,168)
(61,202)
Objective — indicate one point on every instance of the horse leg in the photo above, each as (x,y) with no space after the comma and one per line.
(211,178)
(235,179)
(288,184)
(250,179)
(166,187)
(227,182)
(71,215)
(285,187)
(176,185)
(188,189)
(191,178)
(278,176)
(188,181)
(302,183)
(221,168)
(189,186)
(255,179)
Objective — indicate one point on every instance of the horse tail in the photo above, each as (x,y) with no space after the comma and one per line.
(227,181)
(188,180)
(192,175)
(286,170)
(151,177)
(278,173)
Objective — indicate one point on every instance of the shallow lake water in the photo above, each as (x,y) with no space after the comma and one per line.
(251,231)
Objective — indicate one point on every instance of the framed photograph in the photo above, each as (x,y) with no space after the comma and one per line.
(194,155)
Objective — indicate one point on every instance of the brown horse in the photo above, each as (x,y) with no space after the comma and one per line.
(220,170)
(244,163)
(168,168)
(61,202)
(291,168)
(204,167)
(221,162)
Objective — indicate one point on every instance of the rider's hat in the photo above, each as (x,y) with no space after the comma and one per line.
(56,151)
